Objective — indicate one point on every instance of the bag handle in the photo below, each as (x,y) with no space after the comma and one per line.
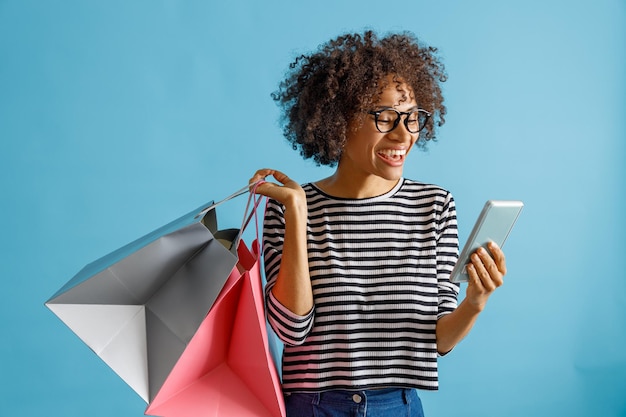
(230,197)
(255,199)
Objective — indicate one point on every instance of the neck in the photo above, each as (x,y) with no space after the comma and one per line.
(344,186)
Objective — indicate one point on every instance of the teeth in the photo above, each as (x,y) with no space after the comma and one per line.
(393,152)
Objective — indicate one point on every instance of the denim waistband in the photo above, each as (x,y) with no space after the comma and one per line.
(385,395)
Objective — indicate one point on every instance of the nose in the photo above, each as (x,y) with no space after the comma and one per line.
(401,133)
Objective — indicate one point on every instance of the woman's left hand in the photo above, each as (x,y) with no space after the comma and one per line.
(486,273)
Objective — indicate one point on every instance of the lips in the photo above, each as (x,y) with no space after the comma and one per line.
(392,155)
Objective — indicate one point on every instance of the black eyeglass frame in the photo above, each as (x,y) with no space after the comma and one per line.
(377,113)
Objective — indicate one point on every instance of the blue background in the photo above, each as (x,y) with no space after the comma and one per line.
(119,116)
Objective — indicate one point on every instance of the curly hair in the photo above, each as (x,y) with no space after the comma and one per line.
(326,90)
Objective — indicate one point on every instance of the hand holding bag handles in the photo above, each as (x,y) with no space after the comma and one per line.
(143,307)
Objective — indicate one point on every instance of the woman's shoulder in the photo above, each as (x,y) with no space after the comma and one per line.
(413,186)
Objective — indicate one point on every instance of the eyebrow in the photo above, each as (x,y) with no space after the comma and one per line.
(380,108)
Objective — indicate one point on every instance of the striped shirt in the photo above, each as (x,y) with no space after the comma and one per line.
(380,272)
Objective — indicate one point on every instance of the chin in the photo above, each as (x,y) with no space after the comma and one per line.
(391,176)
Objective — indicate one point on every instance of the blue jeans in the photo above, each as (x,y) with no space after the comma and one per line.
(391,402)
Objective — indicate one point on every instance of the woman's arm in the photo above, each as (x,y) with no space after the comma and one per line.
(486,273)
(293,283)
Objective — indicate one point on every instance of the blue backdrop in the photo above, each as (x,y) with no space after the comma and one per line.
(112,123)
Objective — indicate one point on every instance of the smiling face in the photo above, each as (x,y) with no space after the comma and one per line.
(370,155)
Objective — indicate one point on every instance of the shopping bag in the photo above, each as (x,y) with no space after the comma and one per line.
(227,369)
(139,307)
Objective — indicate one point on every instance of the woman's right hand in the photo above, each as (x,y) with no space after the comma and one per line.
(290,194)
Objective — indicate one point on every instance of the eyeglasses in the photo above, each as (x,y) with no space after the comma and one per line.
(388,119)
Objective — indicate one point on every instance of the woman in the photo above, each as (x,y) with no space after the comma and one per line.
(358,263)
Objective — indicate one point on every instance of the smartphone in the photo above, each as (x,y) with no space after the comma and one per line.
(494,224)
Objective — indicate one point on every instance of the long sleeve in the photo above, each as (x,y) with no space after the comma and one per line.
(447,255)
(291,328)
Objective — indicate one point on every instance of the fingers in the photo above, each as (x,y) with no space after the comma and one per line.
(261,174)
(257,182)
(487,271)
(498,257)
(282,178)
(287,191)
(474,281)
